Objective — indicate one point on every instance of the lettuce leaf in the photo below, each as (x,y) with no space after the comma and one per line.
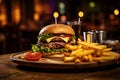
(35,48)
(43,49)
(44,36)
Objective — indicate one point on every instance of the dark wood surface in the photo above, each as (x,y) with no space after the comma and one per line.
(11,71)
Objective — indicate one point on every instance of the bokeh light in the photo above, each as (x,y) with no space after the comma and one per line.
(116,12)
(92,4)
(36,16)
(16,15)
(81,14)
(63,18)
(62,8)
(55,14)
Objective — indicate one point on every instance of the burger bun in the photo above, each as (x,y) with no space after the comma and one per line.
(57,29)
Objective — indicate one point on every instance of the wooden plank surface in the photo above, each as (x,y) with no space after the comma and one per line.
(11,71)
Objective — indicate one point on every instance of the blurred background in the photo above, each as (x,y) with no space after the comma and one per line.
(21,20)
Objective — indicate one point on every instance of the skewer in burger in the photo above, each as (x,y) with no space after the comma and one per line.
(52,40)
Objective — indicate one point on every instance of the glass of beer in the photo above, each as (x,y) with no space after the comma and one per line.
(76,27)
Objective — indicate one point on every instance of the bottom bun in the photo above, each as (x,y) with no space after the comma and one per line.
(54,56)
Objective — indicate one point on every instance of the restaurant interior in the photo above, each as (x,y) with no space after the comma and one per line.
(21,20)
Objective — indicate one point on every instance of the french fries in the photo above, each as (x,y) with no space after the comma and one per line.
(71,47)
(77,60)
(73,53)
(85,58)
(100,47)
(89,52)
(80,52)
(69,59)
(107,49)
(90,58)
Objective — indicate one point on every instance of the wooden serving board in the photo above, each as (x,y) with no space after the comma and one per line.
(59,63)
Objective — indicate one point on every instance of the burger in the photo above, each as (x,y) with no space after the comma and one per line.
(52,40)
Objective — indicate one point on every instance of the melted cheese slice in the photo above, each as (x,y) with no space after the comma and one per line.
(49,39)
(63,38)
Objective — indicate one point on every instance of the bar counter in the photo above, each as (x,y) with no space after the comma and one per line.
(11,71)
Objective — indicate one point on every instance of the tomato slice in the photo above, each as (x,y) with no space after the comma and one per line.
(33,56)
(67,35)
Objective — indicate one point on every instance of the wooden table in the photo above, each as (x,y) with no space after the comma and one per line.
(11,71)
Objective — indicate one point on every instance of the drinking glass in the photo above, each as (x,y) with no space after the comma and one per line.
(76,27)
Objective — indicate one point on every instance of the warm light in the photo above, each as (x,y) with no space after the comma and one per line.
(3,19)
(63,18)
(81,14)
(116,12)
(15,12)
(36,17)
(55,14)
(3,15)
(38,8)
(92,4)
(17,15)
